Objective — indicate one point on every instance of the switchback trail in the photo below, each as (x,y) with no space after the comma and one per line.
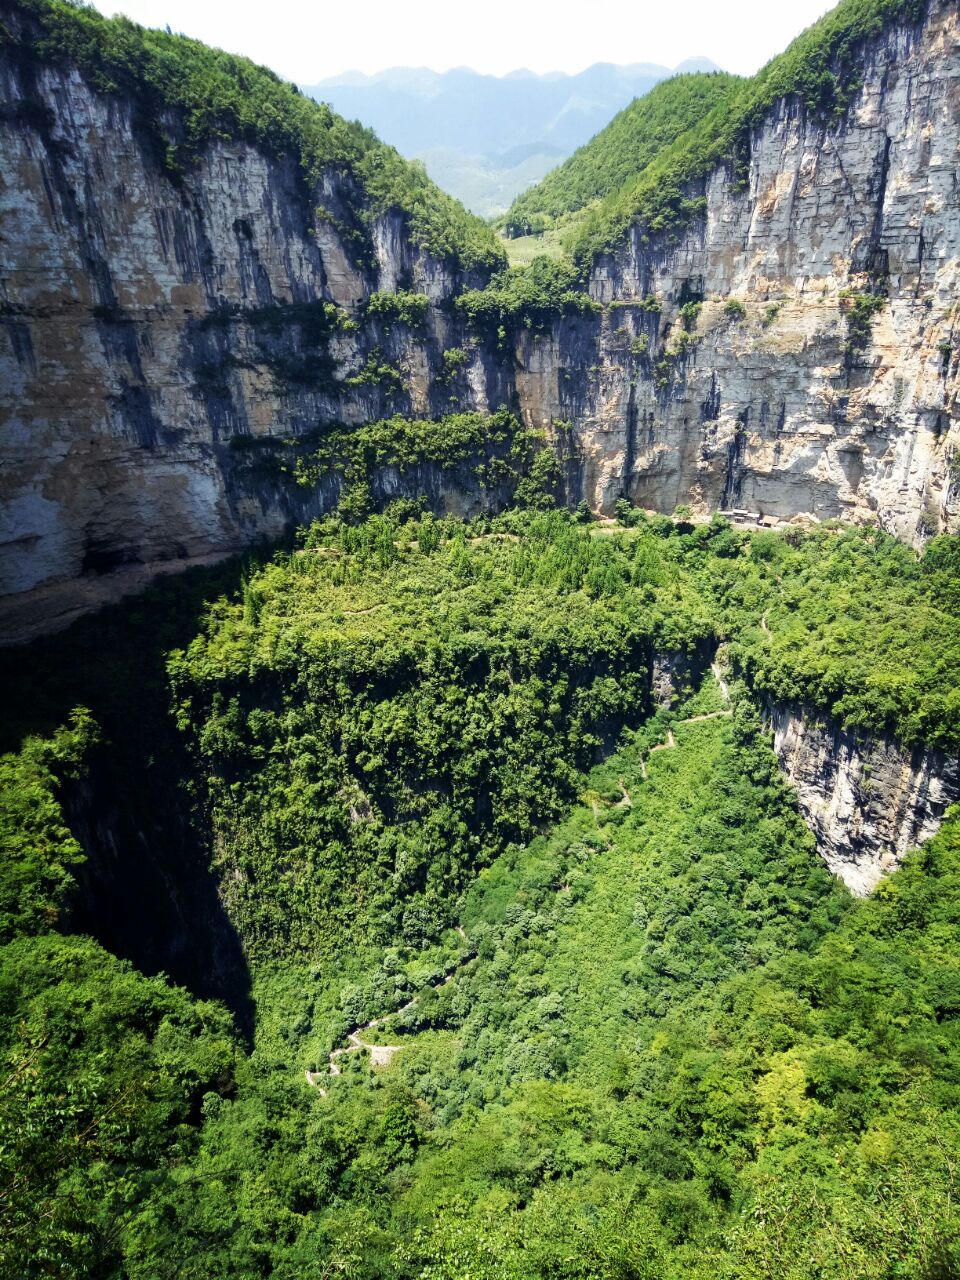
(671,741)
(381,1055)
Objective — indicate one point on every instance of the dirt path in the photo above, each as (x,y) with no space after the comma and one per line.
(670,743)
(381,1055)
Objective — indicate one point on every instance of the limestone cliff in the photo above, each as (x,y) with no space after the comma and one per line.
(783,404)
(155,322)
(867,800)
(161,333)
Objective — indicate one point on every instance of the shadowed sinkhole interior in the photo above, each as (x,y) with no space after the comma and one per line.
(476,829)
(145,889)
(540,858)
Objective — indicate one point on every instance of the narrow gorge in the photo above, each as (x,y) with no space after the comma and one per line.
(480,763)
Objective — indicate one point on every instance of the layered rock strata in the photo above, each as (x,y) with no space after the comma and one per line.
(780,400)
(160,336)
(868,800)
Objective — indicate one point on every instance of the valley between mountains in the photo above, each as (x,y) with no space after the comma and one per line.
(480,791)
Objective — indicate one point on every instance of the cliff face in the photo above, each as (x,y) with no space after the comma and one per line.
(787,409)
(868,801)
(150,324)
(160,334)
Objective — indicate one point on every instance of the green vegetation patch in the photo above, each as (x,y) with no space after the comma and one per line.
(504,460)
(675,1054)
(104,1070)
(859,310)
(531,297)
(521,250)
(38,849)
(631,140)
(857,625)
(409,309)
(388,707)
(634,1026)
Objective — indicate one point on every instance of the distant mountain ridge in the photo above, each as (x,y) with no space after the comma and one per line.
(621,150)
(486,138)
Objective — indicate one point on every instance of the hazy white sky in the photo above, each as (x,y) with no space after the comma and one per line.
(307,42)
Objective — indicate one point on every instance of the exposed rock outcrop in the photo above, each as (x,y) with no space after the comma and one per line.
(159,334)
(784,408)
(675,675)
(156,328)
(868,800)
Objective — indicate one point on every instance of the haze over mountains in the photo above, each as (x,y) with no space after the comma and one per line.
(486,138)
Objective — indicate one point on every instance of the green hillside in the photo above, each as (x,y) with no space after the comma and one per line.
(822,67)
(627,1023)
(219,95)
(625,147)
(421,897)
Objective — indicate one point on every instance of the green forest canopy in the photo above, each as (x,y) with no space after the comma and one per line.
(822,68)
(665,1042)
(620,151)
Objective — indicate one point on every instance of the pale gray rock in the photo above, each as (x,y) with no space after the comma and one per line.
(139,402)
(770,412)
(867,800)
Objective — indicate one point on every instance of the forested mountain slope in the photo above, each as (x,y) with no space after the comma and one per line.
(822,69)
(775,293)
(516,1013)
(485,137)
(620,151)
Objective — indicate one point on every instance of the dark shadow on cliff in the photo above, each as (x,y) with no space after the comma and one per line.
(146,891)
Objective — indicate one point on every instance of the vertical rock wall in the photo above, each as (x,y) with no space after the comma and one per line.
(868,800)
(774,411)
(159,334)
(155,330)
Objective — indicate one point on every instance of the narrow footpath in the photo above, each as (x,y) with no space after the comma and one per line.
(381,1055)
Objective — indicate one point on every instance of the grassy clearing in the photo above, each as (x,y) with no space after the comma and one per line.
(522,251)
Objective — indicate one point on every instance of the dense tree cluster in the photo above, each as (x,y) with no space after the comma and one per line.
(104,1070)
(661,1041)
(324,703)
(493,447)
(852,623)
(532,297)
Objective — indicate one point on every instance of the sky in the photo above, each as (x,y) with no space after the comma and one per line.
(308,42)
